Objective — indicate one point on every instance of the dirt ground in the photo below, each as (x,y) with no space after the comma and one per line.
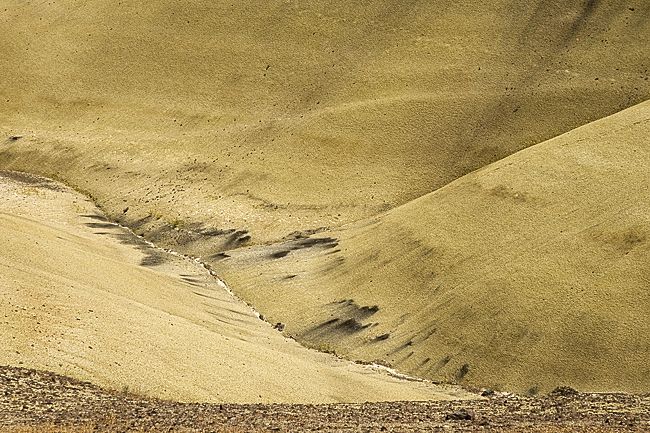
(33,401)
(111,309)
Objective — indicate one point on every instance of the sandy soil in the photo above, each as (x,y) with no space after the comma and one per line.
(281,116)
(528,274)
(83,297)
(36,401)
(373,175)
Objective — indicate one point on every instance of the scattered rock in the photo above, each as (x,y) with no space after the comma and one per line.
(459,415)
(564,391)
(487,392)
(30,398)
(279,326)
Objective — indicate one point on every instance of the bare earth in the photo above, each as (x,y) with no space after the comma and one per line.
(83,297)
(451,235)
(324,215)
(39,401)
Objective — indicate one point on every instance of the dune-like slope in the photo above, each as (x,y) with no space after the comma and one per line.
(83,297)
(531,273)
(240,122)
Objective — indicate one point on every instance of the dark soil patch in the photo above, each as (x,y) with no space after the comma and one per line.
(31,180)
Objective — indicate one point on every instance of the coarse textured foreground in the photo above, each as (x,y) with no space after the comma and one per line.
(33,401)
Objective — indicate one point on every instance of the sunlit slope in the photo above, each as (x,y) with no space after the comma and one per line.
(530,273)
(270,117)
(82,297)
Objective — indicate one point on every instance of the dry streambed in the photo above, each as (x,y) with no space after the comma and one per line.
(86,298)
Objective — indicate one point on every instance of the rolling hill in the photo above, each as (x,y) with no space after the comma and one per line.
(527,274)
(249,121)
(83,297)
(380,177)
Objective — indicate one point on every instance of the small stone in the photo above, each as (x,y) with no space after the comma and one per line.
(459,415)
(564,391)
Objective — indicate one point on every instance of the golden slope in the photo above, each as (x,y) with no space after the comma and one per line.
(530,273)
(82,297)
(277,116)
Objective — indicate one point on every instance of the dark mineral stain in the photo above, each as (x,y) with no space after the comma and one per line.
(347,319)
(312,242)
(219,256)
(215,232)
(102,225)
(191,280)
(95,217)
(153,257)
(351,326)
(236,238)
(137,223)
(303,243)
(32,180)
(583,17)
(442,362)
(462,371)
(401,347)
(326,323)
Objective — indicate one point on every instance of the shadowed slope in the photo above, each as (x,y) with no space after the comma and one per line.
(527,274)
(250,120)
(78,298)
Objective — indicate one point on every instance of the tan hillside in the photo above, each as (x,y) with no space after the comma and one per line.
(530,273)
(240,122)
(83,297)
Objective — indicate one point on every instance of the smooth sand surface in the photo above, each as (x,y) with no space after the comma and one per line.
(528,274)
(76,299)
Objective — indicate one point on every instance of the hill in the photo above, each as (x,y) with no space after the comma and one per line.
(83,297)
(239,122)
(527,274)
